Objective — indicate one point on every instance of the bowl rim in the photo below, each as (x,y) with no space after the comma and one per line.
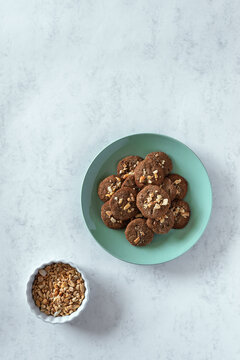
(105,149)
(49,318)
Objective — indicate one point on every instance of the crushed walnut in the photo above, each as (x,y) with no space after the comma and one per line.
(58,289)
(113,187)
(126,170)
(176,183)
(128,205)
(180,211)
(112,219)
(139,239)
(157,203)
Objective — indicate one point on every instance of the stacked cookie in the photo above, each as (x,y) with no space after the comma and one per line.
(144,197)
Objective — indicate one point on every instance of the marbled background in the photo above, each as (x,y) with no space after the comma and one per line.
(74,76)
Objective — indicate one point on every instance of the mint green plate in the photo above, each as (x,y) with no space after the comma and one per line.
(163,247)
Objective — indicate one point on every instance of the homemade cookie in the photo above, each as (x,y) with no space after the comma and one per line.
(108,186)
(148,172)
(109,220)
(181,212)
(153,202)
(168,186)
(162,225)
(127,165)
(138,233)
(130,182)
(181,185)
(123,204)
(161,159)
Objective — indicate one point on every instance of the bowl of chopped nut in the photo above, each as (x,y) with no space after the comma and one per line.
(57,292)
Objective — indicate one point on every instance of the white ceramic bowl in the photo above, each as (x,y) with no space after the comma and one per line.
(58,319)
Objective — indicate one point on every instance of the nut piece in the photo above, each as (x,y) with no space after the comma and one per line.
(136,240)
(58,289)
(42,272)
(127,206)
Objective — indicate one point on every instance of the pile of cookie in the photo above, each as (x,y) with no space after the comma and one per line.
(144,197)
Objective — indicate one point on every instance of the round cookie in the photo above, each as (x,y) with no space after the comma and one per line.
(168,186)
(181,185)
(148,172)
(181,212)
(108,186)
(162,225)
(127,165)
(130,182)
(138,233)
(161,159)
(123,204)
(153,202)
(109,220)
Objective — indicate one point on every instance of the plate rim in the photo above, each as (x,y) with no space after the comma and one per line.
(84,182)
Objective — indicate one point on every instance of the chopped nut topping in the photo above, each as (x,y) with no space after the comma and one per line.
(62,286)
(165,202)
(120,200)
(142,178)
(127,206)
(136,241)
(185,214)
(156,206)
(113,220)
(149,198)
(109,213)
(177,181)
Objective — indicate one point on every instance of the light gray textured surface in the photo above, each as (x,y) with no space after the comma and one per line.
(75,76)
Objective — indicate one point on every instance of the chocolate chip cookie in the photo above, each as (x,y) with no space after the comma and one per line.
(181,212)
(148,172)
(138,233)
(108,218)
(162,225)
(123,204)
(108,186)
(168,186)
(181,185)
(153,202)
(161,159)
(127,165)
